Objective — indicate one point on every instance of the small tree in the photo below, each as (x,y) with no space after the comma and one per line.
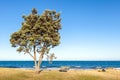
(38,34)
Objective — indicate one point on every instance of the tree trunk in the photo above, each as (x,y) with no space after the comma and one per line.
(35,61)
(37,68)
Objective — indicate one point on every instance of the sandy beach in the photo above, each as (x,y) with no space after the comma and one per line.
(24,74)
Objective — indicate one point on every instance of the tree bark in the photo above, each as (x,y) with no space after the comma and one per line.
(38,63)
(37,68)
(35,61)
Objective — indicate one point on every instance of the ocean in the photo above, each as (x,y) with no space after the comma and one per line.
(58,64)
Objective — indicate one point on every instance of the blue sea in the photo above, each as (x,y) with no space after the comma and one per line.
(58,64)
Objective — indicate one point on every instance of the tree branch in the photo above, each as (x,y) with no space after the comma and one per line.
(31,55)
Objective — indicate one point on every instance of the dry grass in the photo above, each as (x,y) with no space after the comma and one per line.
(21,74)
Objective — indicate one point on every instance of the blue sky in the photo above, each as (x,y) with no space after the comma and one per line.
(90,28)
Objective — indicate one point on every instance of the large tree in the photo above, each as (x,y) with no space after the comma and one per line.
(38,34)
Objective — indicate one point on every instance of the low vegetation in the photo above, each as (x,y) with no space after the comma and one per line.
(22,74)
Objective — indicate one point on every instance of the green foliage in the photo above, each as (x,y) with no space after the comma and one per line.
(41,31)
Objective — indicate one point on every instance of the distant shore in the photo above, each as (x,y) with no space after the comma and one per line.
(54,74)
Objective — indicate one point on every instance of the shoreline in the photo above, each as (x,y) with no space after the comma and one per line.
(55,68)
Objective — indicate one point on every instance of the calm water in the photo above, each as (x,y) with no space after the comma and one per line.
(57,64)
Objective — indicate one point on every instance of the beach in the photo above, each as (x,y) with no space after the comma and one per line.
(54,74)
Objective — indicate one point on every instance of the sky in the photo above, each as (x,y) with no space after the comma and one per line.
(90,28)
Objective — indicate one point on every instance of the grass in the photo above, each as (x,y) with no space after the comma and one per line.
(21,74)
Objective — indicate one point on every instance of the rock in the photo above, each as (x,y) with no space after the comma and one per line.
(64,69)
(103,70)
